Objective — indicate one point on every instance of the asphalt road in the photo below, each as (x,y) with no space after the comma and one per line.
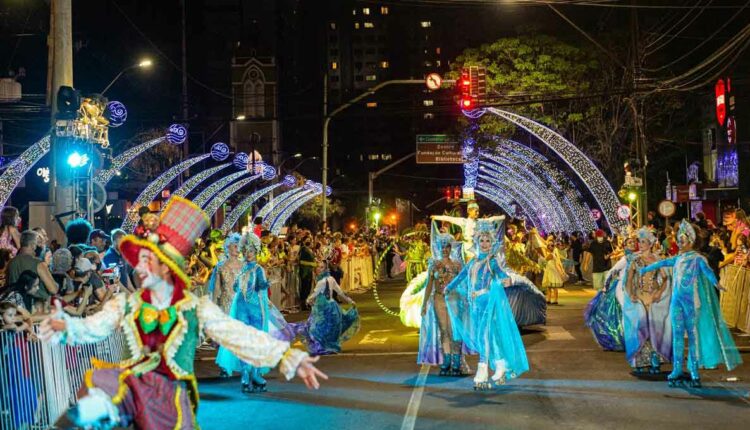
(376,384)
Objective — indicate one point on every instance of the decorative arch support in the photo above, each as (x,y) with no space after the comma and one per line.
(205,196)
(277,201)
(496,186)
(231,220)
(602,192)
(153,189)
(224,194)
(17,170)
(297,203)
(494,198)
(196,180)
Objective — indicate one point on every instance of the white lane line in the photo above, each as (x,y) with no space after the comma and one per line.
(410,419)
(556,332)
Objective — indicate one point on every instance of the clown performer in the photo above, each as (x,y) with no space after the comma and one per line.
(603,314)
(645,308)
(416,253)
(467,226)
(436,344)
(252,306)
(480,313)
(155,387)
(694,309)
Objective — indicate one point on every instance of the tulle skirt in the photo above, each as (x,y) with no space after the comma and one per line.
(326,328)
(528,304)
(603,315)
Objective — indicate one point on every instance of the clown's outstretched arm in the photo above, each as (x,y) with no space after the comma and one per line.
(667,262)
(247,343)
(65,329)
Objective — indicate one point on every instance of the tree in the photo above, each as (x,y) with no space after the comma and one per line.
(146,167)
(579,92)
(310,212)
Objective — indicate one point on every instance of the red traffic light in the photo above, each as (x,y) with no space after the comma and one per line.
(466,103)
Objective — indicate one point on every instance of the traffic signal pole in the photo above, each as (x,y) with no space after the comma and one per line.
(373,175)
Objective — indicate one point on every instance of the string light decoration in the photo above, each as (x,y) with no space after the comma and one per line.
(329,190)
(210,191)
(116,113)
(234,216)
(17,170)
(560,181)
(226,193)
(286,213)
(503,204)
(268,173)
(177,134)
(600,189)
(289,181)
(515,191)
(471,158)
(277,201)
(219,151)
(194,181)
(278,207)
(106,175)
(474,113)
(154,188)
(374,284)
(562,212)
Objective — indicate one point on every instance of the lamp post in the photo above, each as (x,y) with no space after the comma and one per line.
(278,169)
(144,64)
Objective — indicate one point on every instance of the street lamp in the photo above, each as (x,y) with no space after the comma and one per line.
(241,117)
(143,64)
(278,169)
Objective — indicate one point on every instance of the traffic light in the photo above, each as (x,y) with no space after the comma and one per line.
(457,193)
(473,87)
(447,193)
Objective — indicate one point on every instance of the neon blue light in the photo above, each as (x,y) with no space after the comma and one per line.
(231,220)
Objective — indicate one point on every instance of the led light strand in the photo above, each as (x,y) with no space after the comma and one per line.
(602,191)
(154,188)
(265,210)
(106,175)
(560,180)
(226,193)
(17,170)
(541,202)
(194,181)
(496,186)
(284,216)
(562,213)
(504,205)
(284,201)
(374,284)
(205,196)
(273,217)
(231,220)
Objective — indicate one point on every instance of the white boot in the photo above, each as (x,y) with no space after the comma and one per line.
(95,410)
(501,367)
(480,379)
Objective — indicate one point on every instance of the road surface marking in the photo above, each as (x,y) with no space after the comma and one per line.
(556,332)
(369,339)
(410,419)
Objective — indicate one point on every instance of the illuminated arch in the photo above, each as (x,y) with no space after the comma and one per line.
(205,196)
(234,216)
(287,212)
(226,193)
(277,201)
(589,174)
(194,181)
(495,186)
(106,175)
(17,169)
(154,188)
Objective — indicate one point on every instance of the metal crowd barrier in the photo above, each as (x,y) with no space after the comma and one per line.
(40,381)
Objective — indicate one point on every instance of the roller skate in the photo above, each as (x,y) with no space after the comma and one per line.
(445,368)
(695,377)
(674,378)
(480,379)
(501,369)
(259,384)
(456,365)
(655,368)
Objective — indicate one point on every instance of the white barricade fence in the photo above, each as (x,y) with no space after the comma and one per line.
(40,381)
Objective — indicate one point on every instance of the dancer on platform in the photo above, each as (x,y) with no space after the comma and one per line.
(481,316)
(467,226)
(156,387)
(328,326)
(645,307)
(436,344)
(695,311)
(603,314)
(251,306)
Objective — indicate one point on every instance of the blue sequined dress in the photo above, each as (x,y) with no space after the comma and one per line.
(603,314)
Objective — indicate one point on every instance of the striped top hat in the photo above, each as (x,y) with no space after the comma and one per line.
(180,224)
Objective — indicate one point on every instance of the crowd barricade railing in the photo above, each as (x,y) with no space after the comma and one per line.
(358,273)
(735,296)
(39,381)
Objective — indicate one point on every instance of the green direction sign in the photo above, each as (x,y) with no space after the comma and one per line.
(438,149)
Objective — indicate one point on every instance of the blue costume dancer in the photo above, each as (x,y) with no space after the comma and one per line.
(645,308)
(694,310)
(328,326)
(603,314)
(481,316)
(436,344)
(251,306)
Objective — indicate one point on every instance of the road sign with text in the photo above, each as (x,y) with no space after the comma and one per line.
(438,149)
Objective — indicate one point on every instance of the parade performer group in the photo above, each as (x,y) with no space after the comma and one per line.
(649,305)
(155,388)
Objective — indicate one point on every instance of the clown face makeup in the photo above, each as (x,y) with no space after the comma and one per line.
(150,270)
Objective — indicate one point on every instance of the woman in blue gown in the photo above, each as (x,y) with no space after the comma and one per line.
(328,326)
(694,310)
(481,316)
(251,306)
(603,314)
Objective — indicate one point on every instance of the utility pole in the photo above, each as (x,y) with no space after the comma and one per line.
(184,98)
(60,74)
(639,137)
(324,182)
